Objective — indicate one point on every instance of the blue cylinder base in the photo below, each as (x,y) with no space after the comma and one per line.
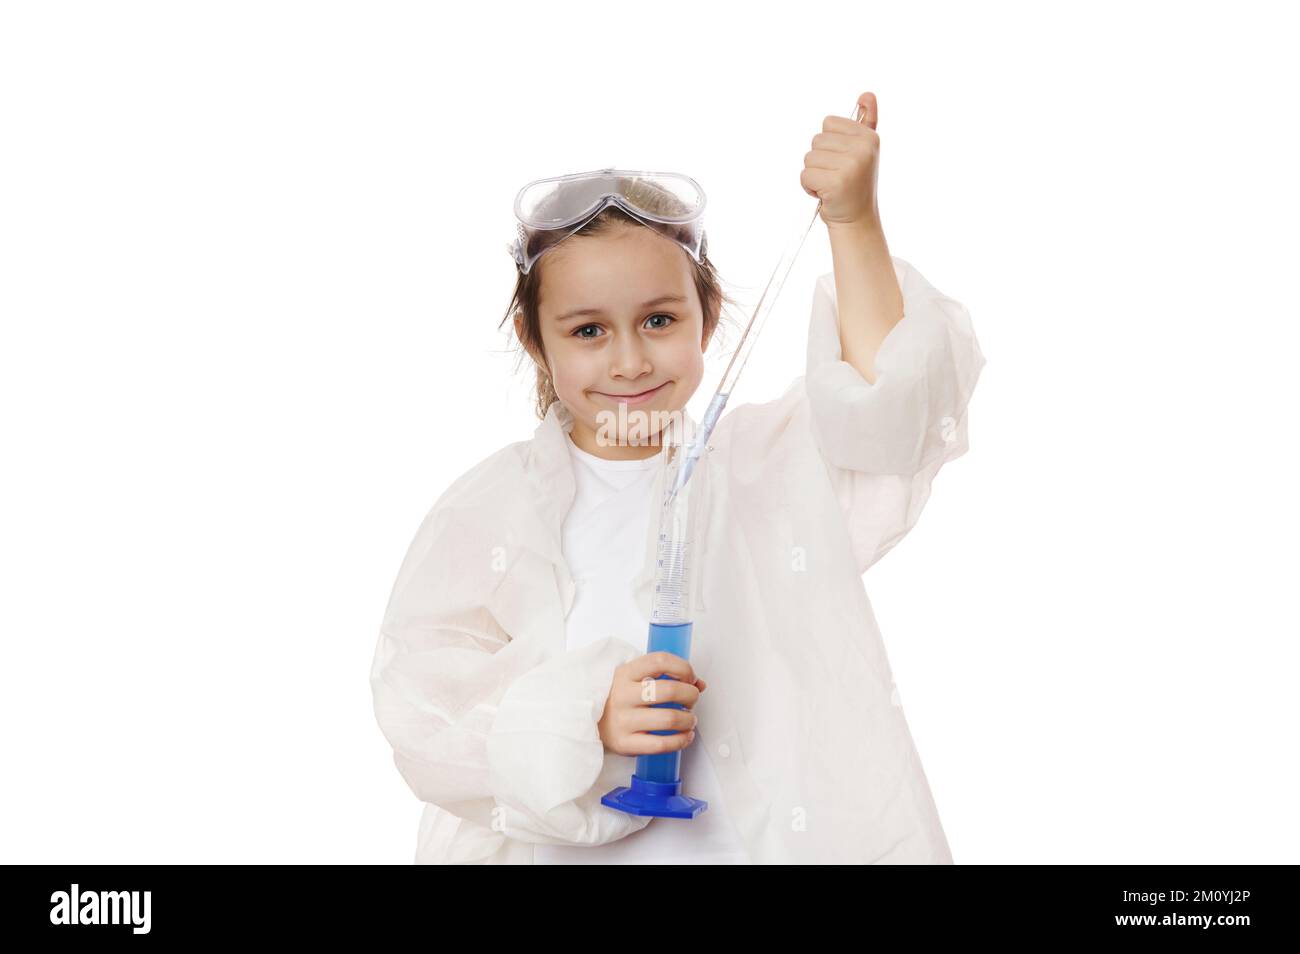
(661,799)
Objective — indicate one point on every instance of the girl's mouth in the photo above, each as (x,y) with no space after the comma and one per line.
(640,398)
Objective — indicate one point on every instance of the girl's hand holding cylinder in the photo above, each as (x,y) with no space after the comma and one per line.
(641,704)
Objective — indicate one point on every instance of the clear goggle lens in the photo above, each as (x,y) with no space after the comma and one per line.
(549,210)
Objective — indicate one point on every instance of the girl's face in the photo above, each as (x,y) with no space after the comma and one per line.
(619,315)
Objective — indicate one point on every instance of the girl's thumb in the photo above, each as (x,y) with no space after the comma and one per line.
(866,110)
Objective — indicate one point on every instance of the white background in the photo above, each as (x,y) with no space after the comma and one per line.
(252,267)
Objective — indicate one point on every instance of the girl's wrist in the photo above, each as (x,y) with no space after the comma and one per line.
(867,225)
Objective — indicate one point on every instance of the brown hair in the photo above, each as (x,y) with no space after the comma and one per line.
(528,287)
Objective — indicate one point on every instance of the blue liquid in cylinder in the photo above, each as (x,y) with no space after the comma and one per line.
(665,766)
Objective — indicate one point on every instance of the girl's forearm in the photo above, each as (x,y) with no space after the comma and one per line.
(869,301)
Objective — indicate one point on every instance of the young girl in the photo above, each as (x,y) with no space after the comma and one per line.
(511,661)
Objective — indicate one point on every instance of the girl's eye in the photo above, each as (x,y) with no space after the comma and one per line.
(578,332)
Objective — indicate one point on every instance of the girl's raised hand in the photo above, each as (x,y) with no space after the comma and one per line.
(841,167)
(629,717)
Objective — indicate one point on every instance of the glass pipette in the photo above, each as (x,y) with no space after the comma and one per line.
(737,364)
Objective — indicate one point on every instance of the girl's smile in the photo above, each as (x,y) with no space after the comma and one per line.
(638,398)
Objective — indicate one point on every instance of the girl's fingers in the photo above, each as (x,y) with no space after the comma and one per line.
(828,144)
(643,743)
(830,161)
(660,664)
(651,692)
(842,128)
(649,719)
(815,180)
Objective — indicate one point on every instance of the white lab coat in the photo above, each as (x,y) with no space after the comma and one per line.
(494,725)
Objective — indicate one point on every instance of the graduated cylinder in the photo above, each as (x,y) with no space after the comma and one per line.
(656,786)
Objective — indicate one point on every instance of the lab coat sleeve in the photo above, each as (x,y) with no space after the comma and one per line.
(548,767)
(884,442)
(480,725)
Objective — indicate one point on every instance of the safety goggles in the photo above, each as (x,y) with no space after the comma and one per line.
(550,210)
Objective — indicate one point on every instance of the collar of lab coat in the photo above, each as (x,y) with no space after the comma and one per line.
(549,466)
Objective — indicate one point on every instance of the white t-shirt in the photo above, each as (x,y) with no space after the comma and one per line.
(604,541)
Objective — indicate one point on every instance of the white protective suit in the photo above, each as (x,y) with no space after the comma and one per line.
(494,725)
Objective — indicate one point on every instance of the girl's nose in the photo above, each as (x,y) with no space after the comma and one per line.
(629,361)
